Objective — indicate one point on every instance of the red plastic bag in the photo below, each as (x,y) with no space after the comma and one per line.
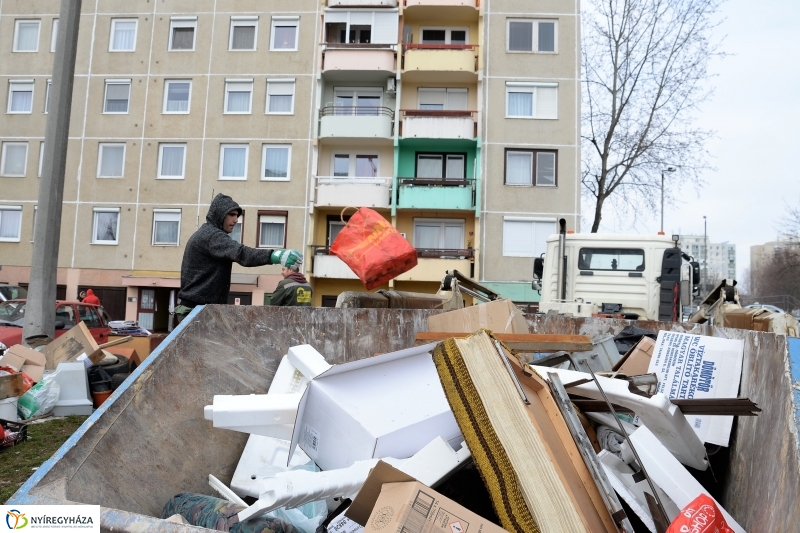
(701,516)
(373,249)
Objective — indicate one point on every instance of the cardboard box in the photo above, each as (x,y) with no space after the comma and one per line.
(23,359)
(637,360)
(11,386)
(393,501)
(71,345)
(500,316)
(752,319)
(390,405)
(129,353)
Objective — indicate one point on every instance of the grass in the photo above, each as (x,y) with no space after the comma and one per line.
(18,463)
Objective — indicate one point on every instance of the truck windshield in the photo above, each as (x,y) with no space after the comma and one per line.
(624,259)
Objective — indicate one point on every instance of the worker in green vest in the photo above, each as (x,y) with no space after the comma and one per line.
(293,289)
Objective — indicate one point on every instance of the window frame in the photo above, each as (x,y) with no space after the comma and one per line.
(448,33)
(534,35)
(19,223)
(100,149)
(264,148)
(596,249)
(284,21)
(95,212)
(161,147)
(4,155)
(48,86)
(167,83)
(352,164)
(445,156)
(158,211)
(114,22)
(531,88)
(182,22)
(17,23)
(222,148)
(534,166)
(280,81)
(230,81)
(243,21)
(442,222)
(33,226)
(54,34)
(41,159)
(27,83)
(105,96)
(281,214)
(532,220)
(240,223)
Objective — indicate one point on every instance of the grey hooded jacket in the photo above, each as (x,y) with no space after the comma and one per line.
(209,257)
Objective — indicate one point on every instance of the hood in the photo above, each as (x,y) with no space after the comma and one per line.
(221,205)
(298,277)
(89,292)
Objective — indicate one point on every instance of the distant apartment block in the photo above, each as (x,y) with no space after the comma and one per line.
(717,260)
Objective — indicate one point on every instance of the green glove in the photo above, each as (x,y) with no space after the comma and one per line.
(287,258)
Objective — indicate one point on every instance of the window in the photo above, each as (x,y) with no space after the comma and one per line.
(166,227)
(177,95)
(243,33)
(14,160)
(532,100)
(434,99)
(41,158)
(523,165)
(531,36)
(118,93)
(10,223)
(525,237)
(361,27)
(54,36)
(271,230)
(441,166)
(110,160)
(181,33)
(26,36)
(47,96)
(123,35)
(445,35)
(33,226)
(236,234)
(356,165)
(438,234)
(276,162)
(89,317)
(280,97)
(238,96)
(363,101)
(171,161)
(335,225)
(20,96)
(106,226)
(630,260)
(233,161)
(66,315)
(284,33)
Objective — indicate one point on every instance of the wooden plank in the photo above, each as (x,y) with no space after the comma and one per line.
(11,386)
(522,342)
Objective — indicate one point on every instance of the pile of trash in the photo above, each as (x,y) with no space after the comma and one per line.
(567,434)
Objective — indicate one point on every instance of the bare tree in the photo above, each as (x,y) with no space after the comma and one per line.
(778,280)
(645,69)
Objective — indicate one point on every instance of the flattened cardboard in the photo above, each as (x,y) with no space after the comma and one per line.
(71,345)
(748,318)
(500,316)
(11,386)
(636,361)
(23,359)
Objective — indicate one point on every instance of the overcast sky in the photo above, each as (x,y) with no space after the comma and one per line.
(756,114)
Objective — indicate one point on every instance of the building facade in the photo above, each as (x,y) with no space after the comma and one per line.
(718,262)
(457,120)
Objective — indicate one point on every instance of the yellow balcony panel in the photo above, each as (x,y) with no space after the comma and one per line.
(362,3)
(335,191)
(351,57)
(434,269)
(443,58)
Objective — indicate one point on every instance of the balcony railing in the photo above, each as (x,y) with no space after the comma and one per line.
(423,253)
(427,193)
(462,58)
(360,111)
(341,191)
(432,46)
(358,46)
(436,182)
(469,3)
(438,124)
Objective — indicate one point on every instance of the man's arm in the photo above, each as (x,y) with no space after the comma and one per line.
(221,246)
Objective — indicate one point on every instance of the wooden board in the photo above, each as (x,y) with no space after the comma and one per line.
(11,386)
(522,342)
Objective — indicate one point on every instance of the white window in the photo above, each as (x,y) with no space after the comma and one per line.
(280,96)
(111,160)
(41,158)
(334,228)
(26,36)
(123,35)
(33,226)
(171,161)
(442,99)
(284,34)
(238,96)
(361,27)
(532,35)
(531,100)
(244,33)
(233,161)
(177,96)
(364,101)
(14,159)
(166,227)
(182,33)
(438,234)
(106,226)
(445,36)
(47,96)
(20,96)
(441,166)
(531,167)
(10,223)
(276,162)
(54,36)
(356,165)
(271,231)
(526,237)
(117,97)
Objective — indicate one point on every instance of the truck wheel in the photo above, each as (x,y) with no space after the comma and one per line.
(123,366)
(117,379)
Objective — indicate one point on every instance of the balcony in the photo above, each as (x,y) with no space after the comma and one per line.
(362,3)
(475,4)
(419,193)
(329,266)
(432,264)
(336,191)
(427,124)
(356,122)
(458,61)
(358,57)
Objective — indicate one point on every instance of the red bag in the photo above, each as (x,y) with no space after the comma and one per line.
(701,516)
(373,249)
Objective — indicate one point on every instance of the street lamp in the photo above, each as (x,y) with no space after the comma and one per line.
(668,169)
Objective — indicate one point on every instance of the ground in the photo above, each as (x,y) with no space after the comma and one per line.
(18,463)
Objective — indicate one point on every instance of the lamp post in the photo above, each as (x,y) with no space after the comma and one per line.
(668,169)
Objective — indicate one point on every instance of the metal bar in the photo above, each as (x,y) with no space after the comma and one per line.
(511,373)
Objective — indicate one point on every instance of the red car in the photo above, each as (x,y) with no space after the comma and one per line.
(12,318)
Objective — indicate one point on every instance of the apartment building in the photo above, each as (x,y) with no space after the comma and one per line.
(458,120)
(718,262)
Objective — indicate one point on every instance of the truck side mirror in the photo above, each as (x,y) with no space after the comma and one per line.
(695,277)
(538,268)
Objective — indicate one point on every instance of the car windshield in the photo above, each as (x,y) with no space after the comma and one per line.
(10,292)
(12,312)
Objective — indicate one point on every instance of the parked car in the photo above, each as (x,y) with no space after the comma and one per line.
(12,292)
(68,314)
(768,307)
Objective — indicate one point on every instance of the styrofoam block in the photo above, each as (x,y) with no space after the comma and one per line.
(8,409)
(263,458)
(434,462)
(262,414)
(74,397)
(220,487)
(307,361)
(663,418)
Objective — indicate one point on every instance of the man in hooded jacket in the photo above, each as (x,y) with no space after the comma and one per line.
(210,254)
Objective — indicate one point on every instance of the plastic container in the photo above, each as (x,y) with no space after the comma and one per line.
(99,397)
(8,409)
